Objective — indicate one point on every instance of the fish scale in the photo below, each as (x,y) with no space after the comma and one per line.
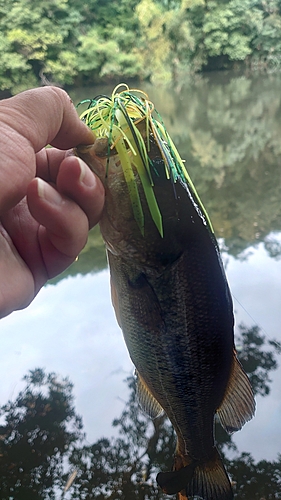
(186,356)
(170,293)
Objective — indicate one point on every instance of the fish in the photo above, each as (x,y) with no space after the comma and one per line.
(169,290)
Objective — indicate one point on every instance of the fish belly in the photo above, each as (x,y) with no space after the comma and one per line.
(178,327)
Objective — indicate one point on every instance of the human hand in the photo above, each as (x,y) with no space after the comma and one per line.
(48,199)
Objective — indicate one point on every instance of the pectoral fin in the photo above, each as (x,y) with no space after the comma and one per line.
(238,405)
(147,402)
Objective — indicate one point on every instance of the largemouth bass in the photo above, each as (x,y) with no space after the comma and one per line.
(169,290)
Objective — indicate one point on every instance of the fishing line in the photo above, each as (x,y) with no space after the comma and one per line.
(272,341)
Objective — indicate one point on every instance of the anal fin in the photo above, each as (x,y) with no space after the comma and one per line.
(146,400)
(238,405)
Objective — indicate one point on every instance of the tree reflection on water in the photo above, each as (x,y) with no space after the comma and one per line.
(42,442)
(227,129)
(40,427)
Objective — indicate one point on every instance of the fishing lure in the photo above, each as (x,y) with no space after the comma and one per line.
(126,120)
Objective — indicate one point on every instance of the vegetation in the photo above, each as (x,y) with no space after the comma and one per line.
(74,42)
(43,447)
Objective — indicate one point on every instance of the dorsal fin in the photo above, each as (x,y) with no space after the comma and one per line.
(147,402)
(238,405)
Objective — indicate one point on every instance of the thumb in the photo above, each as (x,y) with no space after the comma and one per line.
(30,121)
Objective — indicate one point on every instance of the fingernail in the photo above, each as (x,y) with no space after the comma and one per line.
(86,176)
(48,193)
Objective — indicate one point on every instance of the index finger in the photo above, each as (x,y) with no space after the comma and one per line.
(28,122)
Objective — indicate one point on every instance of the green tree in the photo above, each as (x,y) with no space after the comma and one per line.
(227,28)
(103,57)
(266,43)
(72,42)
(155,47)
(107,41)
(38,39)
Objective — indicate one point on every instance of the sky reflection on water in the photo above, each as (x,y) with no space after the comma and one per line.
(255,283)
(70,329)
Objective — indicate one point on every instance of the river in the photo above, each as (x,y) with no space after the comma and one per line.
(227,127)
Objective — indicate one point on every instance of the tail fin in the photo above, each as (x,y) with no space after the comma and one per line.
(207,480)
(175,481)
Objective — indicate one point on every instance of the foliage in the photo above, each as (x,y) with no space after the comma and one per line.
(36,35)
(155,45)
(72,42)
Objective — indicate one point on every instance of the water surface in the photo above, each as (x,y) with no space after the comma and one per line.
(228,130)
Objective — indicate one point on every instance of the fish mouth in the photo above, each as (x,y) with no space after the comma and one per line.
(126,127)
(93,156)
(100,148)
